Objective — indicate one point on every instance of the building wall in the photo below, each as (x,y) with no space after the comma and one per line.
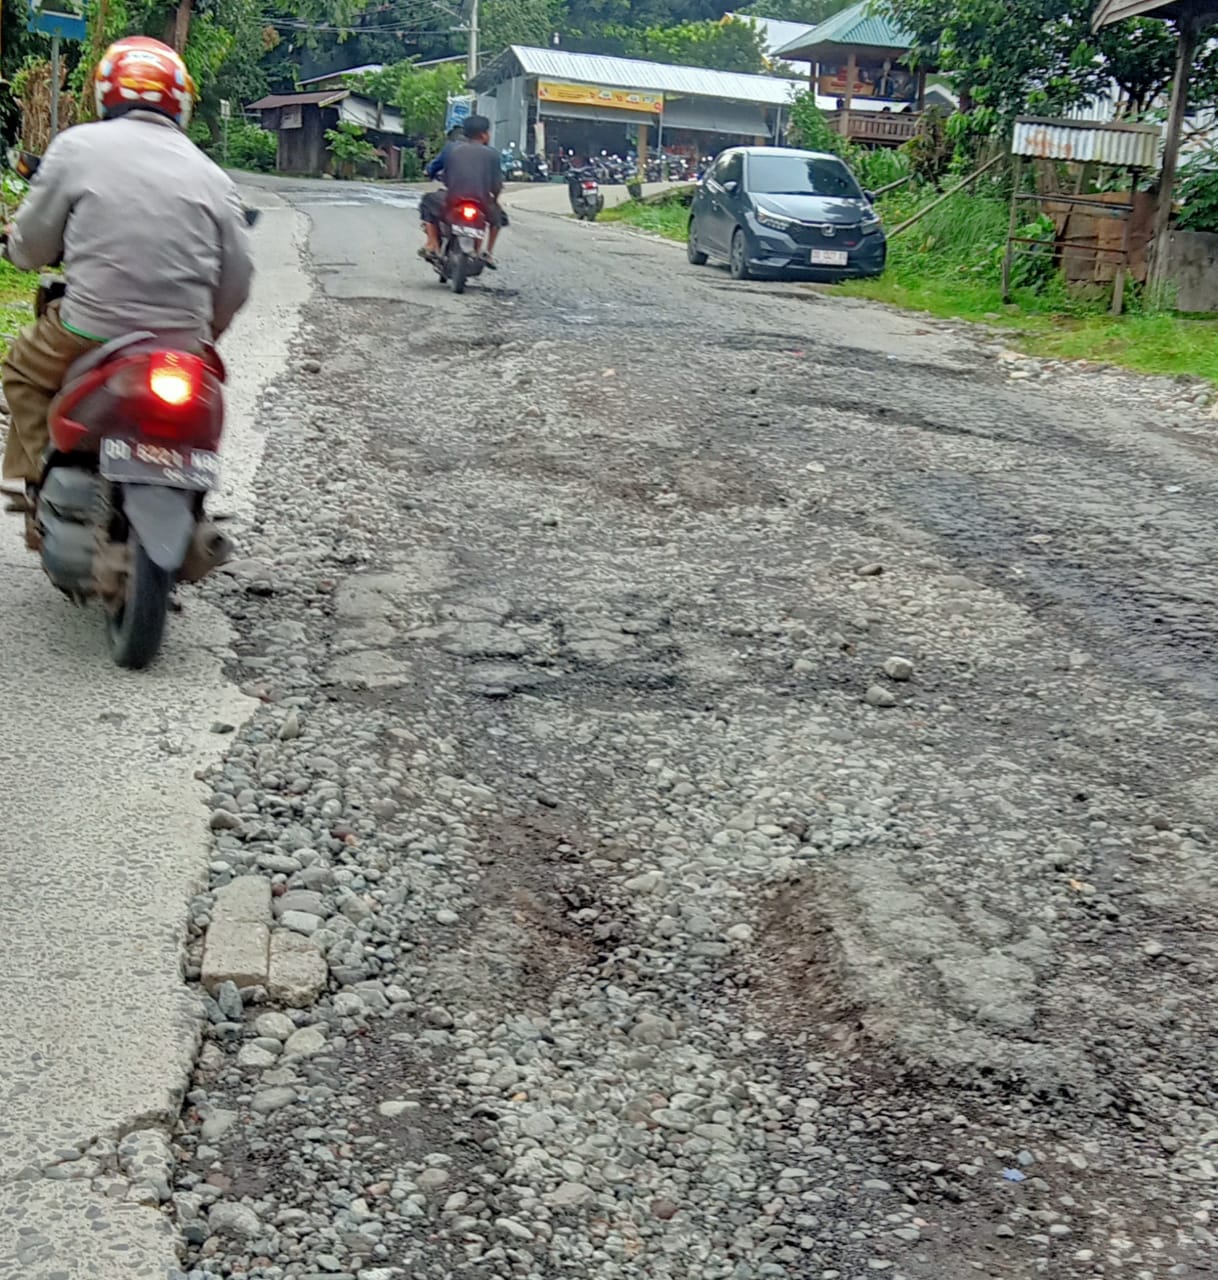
(1192,267)
(506,107)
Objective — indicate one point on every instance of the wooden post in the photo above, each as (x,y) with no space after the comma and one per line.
(642,148)
(852,68)
(1016,180)
(1186,50)
(921,89)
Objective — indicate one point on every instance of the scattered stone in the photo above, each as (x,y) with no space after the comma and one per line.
(274,1099)
(899,669)
(878,696)
(234,1222)
(305,1042)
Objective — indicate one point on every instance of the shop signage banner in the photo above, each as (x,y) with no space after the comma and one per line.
(589,95)
(878,80)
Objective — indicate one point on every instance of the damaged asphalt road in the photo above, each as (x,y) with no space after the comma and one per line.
(747,762)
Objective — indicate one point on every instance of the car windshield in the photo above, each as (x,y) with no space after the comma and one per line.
(801,176)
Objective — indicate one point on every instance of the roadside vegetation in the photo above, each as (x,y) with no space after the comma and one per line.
(16,302)
(16,287)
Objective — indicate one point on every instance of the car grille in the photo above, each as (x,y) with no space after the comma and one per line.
(810,235)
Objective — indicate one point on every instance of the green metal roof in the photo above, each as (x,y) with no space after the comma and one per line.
(863,24)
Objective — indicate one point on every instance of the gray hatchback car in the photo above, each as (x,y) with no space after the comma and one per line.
(773,211)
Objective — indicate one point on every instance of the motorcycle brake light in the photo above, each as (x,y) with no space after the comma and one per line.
(469,212)
(589,186)
(174,377)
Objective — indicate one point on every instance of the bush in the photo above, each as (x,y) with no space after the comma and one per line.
(350,149)
(251,147)
(1198,193)
(809,128)
(1032,265)
(930,152)
(878,167)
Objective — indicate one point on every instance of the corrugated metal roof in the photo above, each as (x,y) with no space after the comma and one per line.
(324,98)
(859,25)
(345,71)
(1127,145)
(629,73)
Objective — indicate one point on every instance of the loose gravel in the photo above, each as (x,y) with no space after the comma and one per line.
(719,875)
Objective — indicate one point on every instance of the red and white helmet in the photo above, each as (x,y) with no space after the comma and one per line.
(140,72)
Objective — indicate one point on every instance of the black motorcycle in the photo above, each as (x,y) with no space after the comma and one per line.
(584,192)
(463,233)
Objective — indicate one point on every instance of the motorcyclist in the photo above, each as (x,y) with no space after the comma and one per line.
(472,171)
(151,234)
(435,166)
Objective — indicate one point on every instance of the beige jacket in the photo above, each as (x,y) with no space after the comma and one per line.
(150,231)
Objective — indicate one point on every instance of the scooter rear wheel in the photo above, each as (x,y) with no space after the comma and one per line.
(138,627)
(457,270)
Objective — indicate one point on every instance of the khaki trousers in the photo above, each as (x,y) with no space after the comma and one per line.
(33,373)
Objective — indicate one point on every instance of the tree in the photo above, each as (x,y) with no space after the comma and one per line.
(724,46)
(420,94)
(532,22)
(1006,57)
(809,11)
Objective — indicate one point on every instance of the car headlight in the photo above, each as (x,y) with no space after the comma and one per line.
(871,222)
(775,220)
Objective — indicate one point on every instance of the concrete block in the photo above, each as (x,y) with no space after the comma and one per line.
(246,898)
(236,951)
(298,972)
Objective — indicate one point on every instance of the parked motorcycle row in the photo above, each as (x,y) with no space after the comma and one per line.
(521,168)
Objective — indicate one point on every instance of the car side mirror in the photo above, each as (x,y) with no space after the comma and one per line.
(870,197)
(731,187)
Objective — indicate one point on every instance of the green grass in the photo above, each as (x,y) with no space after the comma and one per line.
(948,266)
(668,218)
(16,302)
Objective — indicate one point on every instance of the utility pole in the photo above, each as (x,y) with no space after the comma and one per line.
(54,87)
(1186,51)
(471,65)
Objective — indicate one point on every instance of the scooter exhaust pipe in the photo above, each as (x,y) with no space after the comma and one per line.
(209,549)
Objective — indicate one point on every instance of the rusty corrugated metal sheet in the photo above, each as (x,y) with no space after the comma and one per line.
(1130,146)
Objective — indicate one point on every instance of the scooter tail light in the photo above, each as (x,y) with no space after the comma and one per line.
(469,212)
(174,377)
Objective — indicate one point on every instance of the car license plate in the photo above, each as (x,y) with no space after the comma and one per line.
(830,257)
(141,462)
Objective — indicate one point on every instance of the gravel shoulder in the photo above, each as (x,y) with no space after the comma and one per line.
(745,762)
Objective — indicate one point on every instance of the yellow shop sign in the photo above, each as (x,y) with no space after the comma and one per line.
(590,95)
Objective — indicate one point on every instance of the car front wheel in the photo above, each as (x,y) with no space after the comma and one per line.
(692,252)
(738,263)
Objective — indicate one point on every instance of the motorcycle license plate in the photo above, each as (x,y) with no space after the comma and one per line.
(141,462)
(830,257)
